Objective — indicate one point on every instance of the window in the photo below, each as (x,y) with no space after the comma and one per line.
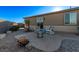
(71,18)
(67,18)
(40,19)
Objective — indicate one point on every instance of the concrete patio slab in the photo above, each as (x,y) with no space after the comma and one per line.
(48,43)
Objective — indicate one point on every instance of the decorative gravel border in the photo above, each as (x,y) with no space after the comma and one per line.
(69,45)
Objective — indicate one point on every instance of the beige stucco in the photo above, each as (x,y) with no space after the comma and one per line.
(66,28)
(54,19)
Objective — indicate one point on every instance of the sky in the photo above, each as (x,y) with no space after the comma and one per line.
(16,13)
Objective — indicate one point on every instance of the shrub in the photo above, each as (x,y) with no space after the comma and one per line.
(14,28)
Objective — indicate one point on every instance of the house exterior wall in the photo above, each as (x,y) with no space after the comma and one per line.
(4,26)
(72,29)
(54,19)
(57,21)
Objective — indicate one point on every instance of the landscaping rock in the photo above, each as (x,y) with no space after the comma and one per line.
(69,45)
(2,36)
(8,32)
(29,46)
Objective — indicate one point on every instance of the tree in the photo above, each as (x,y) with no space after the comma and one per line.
(28,23)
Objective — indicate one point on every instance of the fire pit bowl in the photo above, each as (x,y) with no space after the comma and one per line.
(22,41)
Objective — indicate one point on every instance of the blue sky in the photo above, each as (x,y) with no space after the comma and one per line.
(16,13)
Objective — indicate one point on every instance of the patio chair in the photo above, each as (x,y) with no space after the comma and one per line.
(50,30)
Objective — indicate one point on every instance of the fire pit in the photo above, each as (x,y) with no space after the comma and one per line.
(22,41)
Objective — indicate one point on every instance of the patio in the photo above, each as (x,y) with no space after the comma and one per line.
(48,43)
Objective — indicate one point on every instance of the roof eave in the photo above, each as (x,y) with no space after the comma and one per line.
(53,12)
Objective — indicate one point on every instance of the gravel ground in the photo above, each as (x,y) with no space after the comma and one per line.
(68,45)
(9,44)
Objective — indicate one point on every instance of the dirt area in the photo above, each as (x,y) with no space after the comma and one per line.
(9,44)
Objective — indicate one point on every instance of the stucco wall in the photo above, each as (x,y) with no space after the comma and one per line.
(72,29)
(54,19)
(4,26)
